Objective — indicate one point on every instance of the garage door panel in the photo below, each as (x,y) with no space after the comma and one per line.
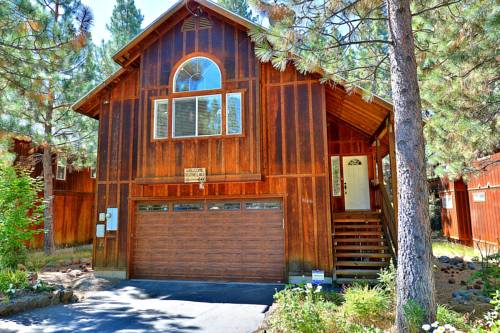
(211,245)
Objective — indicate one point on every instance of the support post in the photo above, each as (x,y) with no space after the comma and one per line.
(394,176)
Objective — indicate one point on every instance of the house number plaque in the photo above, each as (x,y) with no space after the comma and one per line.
(195,175)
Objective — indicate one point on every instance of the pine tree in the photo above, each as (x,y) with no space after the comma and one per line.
(125,23)
(52,40)
(458,50)
(239,7)
(352,42)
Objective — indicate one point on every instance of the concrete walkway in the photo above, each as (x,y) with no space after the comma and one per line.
(135,306)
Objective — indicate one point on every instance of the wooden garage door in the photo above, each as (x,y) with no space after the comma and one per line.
(209,240)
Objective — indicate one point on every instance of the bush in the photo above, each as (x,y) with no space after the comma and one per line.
(12,279)
(367,306)
(489,273)
(455,319)
(303,309)
(20,208)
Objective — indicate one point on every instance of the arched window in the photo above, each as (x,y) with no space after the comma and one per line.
(198,104)
(196,74)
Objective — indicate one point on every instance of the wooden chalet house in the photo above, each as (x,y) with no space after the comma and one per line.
(215,166)
(74,193)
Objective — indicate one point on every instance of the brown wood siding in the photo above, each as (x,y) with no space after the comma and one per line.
(73,199)
(456,221)
(282,154)
(485,216)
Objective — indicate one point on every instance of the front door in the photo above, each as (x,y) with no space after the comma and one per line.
(356,188)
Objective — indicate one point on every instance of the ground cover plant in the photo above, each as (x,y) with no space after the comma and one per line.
(361,308)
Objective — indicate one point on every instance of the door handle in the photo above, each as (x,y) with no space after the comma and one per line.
(345,188)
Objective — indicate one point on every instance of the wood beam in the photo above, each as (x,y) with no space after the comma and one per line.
(394,176)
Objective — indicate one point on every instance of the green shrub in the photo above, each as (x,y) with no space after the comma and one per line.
(387,280)
(20,208)
(303,309)
(489,273)
(455,319)
(414,315)
(12,279)
(367,306)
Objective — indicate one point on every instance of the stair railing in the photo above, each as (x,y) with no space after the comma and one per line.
(388,220)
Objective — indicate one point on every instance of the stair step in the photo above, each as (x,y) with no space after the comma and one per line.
(358,226)
(362,255)
(362,233)
(355,220)
(359,240)
(361,247)
(361,263)
(350,281)
(362,272)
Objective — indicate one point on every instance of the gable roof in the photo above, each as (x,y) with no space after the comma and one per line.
(125,56)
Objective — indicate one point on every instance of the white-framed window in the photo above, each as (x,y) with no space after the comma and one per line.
(93,172)
(161,119)
(233,113)
(336,181)
(197,73)
(447,201)
(197,116)
(60,171)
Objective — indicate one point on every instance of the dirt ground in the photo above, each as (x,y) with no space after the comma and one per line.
(448,279)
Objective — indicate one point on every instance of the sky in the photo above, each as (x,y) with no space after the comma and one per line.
(102,10)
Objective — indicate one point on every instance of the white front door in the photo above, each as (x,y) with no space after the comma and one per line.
(356,188)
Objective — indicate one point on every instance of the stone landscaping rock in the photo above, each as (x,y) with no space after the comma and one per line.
(33,301)
(75,273)
(75,261)
(86,261)
(456,260)
(451,281)
(444,259)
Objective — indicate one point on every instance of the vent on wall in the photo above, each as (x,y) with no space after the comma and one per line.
(190,23)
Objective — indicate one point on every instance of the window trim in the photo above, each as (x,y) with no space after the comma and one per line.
(226,95)
(155,112)
(60,165)
(174,90)
(196,135)
(93,172)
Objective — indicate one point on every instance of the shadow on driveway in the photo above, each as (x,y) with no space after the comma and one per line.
(136,306)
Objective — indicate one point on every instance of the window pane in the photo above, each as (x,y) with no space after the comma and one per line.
(263,205)
(153,207)
(180,207)
(336,187)
(198,74)
(184,117)
(61,172)
(161,119)
(224,206)
(209,115)
(233,113)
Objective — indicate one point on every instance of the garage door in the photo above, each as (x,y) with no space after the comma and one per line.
(209,240)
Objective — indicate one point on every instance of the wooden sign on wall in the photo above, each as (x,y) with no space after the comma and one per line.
(195,175)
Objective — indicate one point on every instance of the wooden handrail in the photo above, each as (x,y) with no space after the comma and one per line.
(388,219)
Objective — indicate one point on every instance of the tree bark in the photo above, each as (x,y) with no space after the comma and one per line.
(415,280)
(48,194)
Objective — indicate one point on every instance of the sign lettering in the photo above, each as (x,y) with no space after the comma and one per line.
(195,175)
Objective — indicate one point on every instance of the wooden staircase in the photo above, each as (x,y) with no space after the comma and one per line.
(360,245)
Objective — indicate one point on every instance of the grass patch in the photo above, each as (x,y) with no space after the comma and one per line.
(38,259)
(449,249)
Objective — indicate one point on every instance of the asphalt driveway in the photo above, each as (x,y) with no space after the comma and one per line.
(135,306)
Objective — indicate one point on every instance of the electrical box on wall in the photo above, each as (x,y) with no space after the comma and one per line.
(112,219)
(99,230)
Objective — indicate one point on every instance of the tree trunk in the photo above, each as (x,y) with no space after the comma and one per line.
(415,281)
(48,193)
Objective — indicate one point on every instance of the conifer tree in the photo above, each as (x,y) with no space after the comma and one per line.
(350,42)
(239,7)
(125,23)
(51,49)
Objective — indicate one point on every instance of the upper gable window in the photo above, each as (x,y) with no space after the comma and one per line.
(196,74)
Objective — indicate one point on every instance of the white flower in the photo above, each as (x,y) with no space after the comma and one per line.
(435,324)
(426,327)
(318,289)
(440,329)
(450,328)
(309,286)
